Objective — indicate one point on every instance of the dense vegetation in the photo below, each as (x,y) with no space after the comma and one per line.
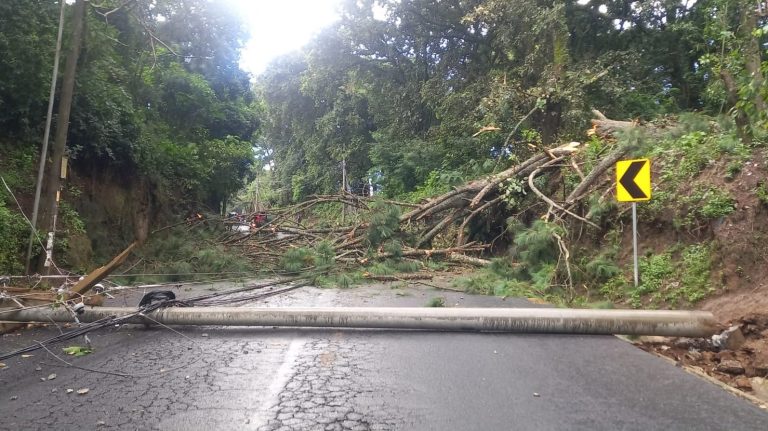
(399,89)
(160,104)
(418,96)
(409,96)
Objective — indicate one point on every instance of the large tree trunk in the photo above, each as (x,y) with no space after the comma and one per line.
(553,109)
(550,120)
(732,97)
(752,58)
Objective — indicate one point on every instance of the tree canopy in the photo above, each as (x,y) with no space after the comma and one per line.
(159,92)
(399,89)
(396,91)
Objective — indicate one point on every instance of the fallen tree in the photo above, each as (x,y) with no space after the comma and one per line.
(447,217)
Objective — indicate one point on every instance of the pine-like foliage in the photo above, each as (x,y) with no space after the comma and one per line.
(537,244)
(297,259)
(385,222)
(325,255)
(603,267)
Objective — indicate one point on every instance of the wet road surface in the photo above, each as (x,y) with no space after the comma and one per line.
(213,378)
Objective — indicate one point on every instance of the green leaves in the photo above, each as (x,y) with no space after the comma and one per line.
(297,259)
(385,222)
(401,97)
(77,350)
(325,255)
(13,238)
(537,243)
(27,40)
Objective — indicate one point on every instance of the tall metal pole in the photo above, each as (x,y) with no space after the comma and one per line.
(46,136)
(634,242)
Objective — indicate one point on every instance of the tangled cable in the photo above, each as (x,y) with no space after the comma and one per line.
(74,333)
(156,300)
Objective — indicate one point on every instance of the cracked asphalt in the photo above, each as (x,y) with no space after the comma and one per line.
(271,379)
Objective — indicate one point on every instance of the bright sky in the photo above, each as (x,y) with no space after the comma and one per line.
(280,26)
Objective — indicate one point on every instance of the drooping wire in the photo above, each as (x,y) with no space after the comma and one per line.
(211,299)
(29,222)
(119,288)
(196,358)
(74,333)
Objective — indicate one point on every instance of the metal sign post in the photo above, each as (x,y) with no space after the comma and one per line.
(634,243)
(633,184)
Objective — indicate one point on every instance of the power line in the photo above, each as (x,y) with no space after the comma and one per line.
(31,225)
(211,299)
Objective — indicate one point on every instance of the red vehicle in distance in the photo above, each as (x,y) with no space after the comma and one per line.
(259,219)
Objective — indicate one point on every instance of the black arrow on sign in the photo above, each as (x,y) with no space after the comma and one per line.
(628,180)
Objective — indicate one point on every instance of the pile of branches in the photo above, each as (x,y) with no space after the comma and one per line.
(452,211)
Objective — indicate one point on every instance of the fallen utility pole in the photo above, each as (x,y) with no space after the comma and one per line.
(518,320)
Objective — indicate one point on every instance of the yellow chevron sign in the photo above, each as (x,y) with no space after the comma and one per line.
(633,180)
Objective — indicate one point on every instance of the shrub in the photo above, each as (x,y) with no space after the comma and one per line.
(407,266)
(762,192)
(392,266)
(704,205)
(178,271)
(535,272)
(537,243)
(395,248)
(344,281)
(437,301)
(296,259)
(325,255)
(13,239)
(385,221)
(603,267)
(664,277)
(192,254)
(697,265)
(216,259)
(480,283)
(599,210)
(437,182)
(694,151)
(655,270)
(381,268)
(70,218)
(615,288)
(719,204)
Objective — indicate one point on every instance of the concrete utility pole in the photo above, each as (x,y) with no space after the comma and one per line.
(46,135)
(518,320)
(53,188)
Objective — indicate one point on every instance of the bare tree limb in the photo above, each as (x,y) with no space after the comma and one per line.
(472,215)
(110,12)
(564,251)
(450,218)
(550,201)
(596,173)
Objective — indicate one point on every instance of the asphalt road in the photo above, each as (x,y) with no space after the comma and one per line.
(212,378)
